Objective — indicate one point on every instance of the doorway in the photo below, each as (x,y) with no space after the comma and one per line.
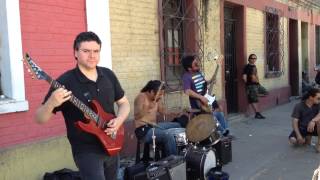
(293,57)
(231,82)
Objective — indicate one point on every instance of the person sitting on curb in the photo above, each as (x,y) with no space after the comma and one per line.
(306,119)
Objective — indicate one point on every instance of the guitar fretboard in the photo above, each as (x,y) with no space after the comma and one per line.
(75,101)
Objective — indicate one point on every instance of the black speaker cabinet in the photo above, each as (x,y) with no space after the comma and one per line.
(136,172)
(223,151)
(169,168)
(140,176)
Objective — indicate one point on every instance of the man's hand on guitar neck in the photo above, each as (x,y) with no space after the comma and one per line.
(59,96)
(212,81)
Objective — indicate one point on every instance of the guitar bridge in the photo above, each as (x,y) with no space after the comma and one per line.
(113,135)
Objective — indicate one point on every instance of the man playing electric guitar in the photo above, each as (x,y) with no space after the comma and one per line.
(195,86)
(87,82)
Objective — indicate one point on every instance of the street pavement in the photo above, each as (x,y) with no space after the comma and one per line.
(260,150)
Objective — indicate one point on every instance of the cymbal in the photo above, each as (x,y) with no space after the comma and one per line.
(200,127)
(152,124)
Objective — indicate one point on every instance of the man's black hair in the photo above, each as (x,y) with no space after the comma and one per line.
(311,93)
(85,36)
(187,61)
(250,56)
(152,85)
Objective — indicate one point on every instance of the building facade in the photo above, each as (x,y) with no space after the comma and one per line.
(144,40)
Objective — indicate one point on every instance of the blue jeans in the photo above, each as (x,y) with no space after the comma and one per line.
(223,124)
(163,137)
(95,166)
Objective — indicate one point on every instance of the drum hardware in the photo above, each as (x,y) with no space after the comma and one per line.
(153,143)
(202,130)
(179,135)
(153,125)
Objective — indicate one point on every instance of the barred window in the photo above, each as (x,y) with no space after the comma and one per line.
(272,43)
(178,39)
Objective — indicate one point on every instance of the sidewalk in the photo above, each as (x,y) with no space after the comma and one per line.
(261,150)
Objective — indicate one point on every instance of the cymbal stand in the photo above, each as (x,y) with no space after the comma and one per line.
(153,143)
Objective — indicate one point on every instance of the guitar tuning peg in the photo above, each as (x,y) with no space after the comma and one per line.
(29,70)
(32,77)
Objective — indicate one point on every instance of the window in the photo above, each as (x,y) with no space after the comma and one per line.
(272,43)
(11,67)
(177,24)
(317,45)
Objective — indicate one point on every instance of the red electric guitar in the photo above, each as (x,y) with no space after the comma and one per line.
(98,119)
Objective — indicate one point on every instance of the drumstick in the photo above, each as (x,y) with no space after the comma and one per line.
(151,124)
(157,94)
(158,91)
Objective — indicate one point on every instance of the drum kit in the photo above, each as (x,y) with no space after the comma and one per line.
(195,143)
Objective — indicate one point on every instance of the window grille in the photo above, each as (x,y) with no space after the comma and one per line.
(180,27)
(274,30)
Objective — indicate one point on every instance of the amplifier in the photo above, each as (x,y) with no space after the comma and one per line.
(223,151)
(136,172)
(169,168)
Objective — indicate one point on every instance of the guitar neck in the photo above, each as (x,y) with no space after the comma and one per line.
(75,101)
(210,87)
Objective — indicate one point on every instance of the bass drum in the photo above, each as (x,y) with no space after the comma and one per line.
(199,161)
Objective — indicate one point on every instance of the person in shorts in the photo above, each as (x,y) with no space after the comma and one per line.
(253,87)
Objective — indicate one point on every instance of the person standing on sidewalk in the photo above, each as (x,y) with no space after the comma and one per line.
(87,81)
(306,119)
(253,87)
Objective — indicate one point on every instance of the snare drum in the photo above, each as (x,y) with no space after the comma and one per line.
(180,138)
(199,162)
(179,135)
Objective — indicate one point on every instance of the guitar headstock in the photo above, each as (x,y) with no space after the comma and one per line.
(33,68)
(218,59)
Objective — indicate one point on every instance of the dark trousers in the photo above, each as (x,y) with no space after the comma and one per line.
(94,166)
